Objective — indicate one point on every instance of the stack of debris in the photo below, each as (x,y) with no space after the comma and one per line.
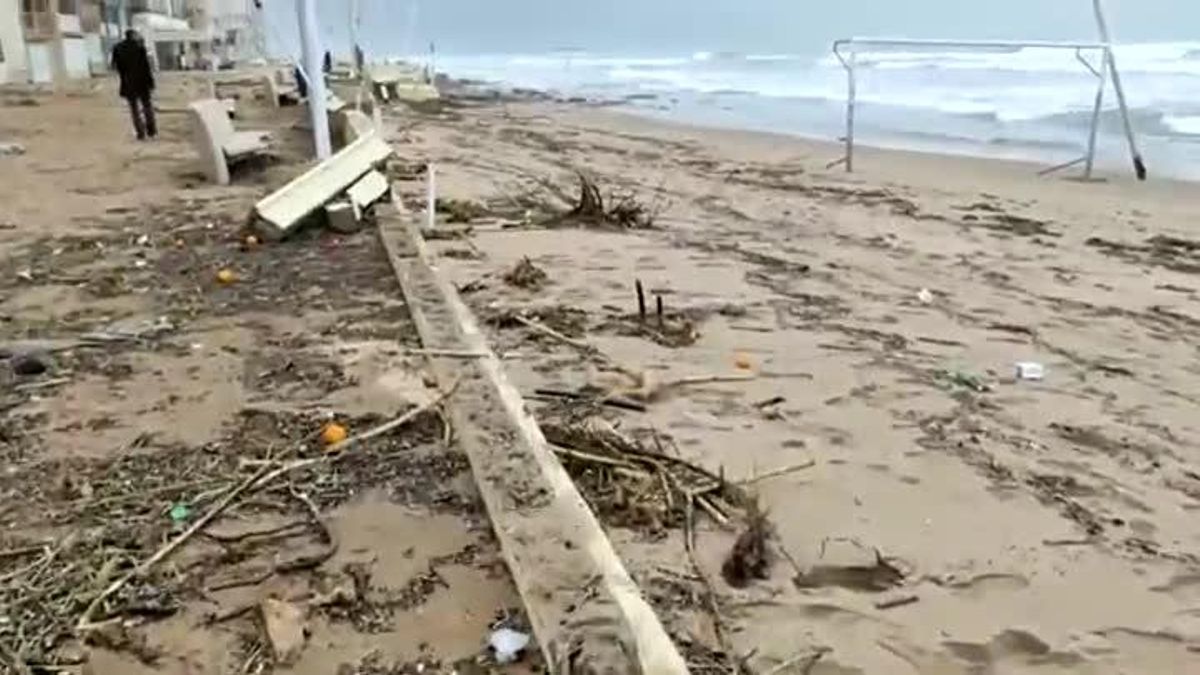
(342,189)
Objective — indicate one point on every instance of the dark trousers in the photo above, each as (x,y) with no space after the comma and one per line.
(141,109)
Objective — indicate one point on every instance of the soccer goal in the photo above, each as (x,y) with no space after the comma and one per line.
(847,50)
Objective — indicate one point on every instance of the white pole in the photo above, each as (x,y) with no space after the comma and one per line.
(852,94)
(310,40)
(430,197)
(1139,166)
(353,7)
(1097,108)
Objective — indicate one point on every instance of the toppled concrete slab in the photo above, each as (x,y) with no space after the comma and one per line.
(368,190)
(341,216)
(287,206)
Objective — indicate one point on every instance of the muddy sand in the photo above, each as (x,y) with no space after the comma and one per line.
(835,353)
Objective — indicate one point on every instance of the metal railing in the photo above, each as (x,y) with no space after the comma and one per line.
(847,51)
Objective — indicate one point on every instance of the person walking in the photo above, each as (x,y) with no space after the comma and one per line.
(132,63)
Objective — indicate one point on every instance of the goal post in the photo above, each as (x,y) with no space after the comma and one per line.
(846,50)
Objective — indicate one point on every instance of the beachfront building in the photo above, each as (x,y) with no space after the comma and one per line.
(13,60)
(235,27)
(46,41)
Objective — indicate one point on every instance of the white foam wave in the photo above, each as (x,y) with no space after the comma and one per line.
(1183,124)
(1158,58)
(1011,87)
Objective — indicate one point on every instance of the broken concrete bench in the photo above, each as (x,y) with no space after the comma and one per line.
(219,145)
(281,89)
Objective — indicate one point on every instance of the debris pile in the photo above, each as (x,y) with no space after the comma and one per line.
(628,484)
(526,275)
(123,522)
(621,212)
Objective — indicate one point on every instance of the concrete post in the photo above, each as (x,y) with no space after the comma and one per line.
(310,40)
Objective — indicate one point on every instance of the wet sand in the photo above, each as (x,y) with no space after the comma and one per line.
(122,444)
(933,514)
(1035,526)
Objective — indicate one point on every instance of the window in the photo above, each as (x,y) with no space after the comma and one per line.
(68,6)
(37,18)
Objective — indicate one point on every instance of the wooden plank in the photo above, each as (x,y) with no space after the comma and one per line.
(585,609)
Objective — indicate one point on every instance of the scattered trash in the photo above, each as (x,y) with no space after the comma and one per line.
(180,513)
(25,275)
(143,240)
(251,241)
(284,625)
(925,296)
(11,149)
(742,361)
(226,276)
(333,433)
(749,559)
(526,275)
(1030,370)
(28,365)
(964,379)
(131,329)
(508,644)
(460,210)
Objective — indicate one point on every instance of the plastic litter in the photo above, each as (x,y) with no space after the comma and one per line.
(508,644)
(180,513)
(1030,370)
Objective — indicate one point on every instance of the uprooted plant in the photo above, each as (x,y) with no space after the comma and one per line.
(619,210)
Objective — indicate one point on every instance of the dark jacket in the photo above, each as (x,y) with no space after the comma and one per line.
(133,64)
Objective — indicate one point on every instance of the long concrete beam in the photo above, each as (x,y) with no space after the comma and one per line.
(586,611)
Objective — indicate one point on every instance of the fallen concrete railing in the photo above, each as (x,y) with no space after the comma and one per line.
(283,209)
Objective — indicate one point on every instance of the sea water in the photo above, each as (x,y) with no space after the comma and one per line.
(766,65)
(1032,104)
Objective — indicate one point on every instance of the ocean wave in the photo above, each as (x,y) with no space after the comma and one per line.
(969,87)
(1185,125)
(1154,58)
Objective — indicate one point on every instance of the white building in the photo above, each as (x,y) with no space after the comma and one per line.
(13,58)
(51,40)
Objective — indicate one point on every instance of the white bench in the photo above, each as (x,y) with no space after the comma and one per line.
(349,125)
(279,91)
(219,145)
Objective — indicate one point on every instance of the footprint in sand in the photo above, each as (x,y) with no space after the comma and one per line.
(1012,646)
(1183,587)
(983,585)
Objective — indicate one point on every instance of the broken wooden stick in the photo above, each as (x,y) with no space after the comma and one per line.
(805,660)
(782,471)
(641,300)
(85,620)
(398,422)
(445,353)
(546,330)
(611,401)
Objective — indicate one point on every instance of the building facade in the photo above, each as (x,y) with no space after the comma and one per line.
(46,41)
(13,55)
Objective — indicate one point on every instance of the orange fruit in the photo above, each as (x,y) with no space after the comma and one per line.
(333,433)
(226,276)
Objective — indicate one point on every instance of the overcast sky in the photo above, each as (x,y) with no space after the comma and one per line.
(685,26)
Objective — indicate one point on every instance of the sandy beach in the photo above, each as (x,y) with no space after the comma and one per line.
(842,349)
